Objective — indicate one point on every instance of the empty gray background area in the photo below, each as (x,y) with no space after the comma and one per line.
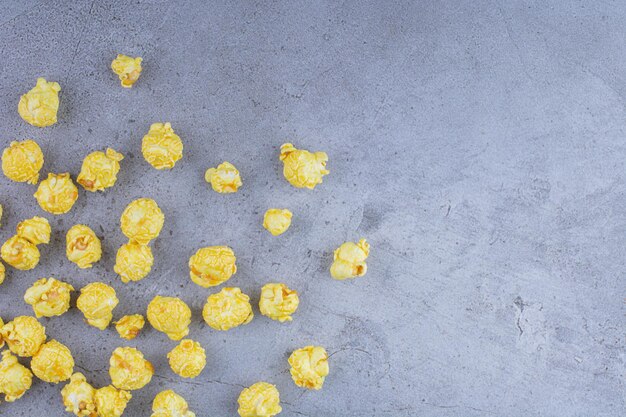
(480,146)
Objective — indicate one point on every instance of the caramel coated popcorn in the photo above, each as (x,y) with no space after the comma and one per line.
(24,335)
(99,170)
(82,246)
(78,396)
(187,359)
(57,193)
(127,69)
(169,404)
(227,309)
(277,221)
(259,400)
(20,253)
(36,230)
(39,106)
(22,161)
(2,276)
(49,297)
(309,367)
(133,262)
(53,362)
(111,402)
(212,265)
(128,369)
(15,378)
(142,220)
(161,147)
(169,315)
(128,327)
(303,168)
(97,301)
(224,179)
(350,260)
(278,302)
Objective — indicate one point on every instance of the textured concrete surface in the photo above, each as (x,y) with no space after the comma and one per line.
(479,146)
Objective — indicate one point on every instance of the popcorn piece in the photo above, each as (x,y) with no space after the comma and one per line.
(277,221)
(224,179)
(187,359)
(24,335)
(99,170)
(309,367)
(53,363)
(350,260)
(1,211)
(127,69)
(49,297)
(212,265)
(15,378)
(39,106)
(2,276)
(57,194)
(169,315)
(36,230)
(97,301)
(20,253)
(169,404)
(303,168)
(227,309)
(259,400)
(22,161)
(133,262)
(111,402)
(1,339)
(128,327)
(128,369)
(161,147)
(278,302)
(142,220)
(82,246)
(78,396)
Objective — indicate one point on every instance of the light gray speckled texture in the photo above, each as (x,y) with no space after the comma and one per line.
(479,146)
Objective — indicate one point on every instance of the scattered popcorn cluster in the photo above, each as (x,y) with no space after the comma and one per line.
(141,222)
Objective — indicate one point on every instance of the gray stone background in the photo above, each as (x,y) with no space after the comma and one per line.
(479,146)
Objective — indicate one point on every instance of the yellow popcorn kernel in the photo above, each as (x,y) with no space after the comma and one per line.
(39,106)
(277,221)
(53,363)
(22,161)
(2,276)
(128,327)
(303,168)
(350,260)
(97,301)
(82,246)
(227,309)
(15,378)
(309,367)
(133,261)
(169,404)
(212,265)
(78,396)
(128,369)
(161,147)
(57,193)
(127,69)
(259,400)
(142,220)
(224,179)
(278,302)
(111,402)
(24,335)
(169,315)
(36,230)
(20,253)
(99,170)
(187,359)
(49,297)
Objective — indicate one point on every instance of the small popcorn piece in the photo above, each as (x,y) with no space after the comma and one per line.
(169,315)
(142,220)
(82,246)
(350,260)
(128,369)
(39,106)
(20,253)
(24,335)
(128,327)
(277,221)
(97,301)
(111,402)
(212,265)
(278,302)
(15,378)
(259,400)
(303,168)
(187,359)
(22,161)
(224,179)
(127,69)
(1,211)
(53,363)
(99,170)
(2,276)
(309,367)
(169,404)
(227,309)
(49,297)
(78,396)
(161,147)
(57,193)
(36,230)
(133,262)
